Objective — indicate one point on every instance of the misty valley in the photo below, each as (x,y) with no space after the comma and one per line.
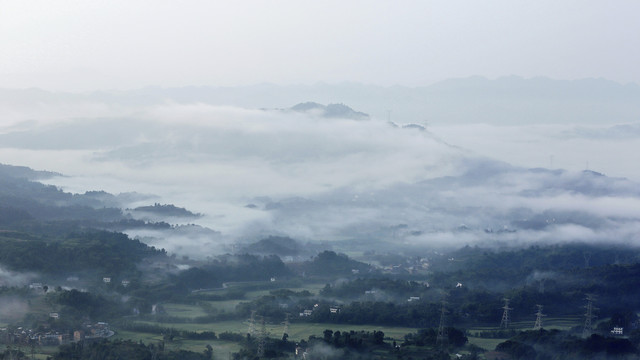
(84,275)
(167,224)
(319,180)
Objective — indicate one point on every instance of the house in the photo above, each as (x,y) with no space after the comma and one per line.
(54,315)
(413,298)
(52,339)
(106,280)
(617,331)
(36,286)
(306,313)
(78,335)
(125,283)
(335,309)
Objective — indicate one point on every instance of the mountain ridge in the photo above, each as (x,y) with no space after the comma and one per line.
(504,100)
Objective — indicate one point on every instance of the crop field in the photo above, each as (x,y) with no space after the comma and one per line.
(487,344)
(184,311)
(561,323)
(297,331)
(225,305)
(221,349)
(219,306)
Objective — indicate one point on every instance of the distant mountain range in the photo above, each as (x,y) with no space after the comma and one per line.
(506,100)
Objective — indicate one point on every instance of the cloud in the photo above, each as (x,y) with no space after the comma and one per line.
(12,309)
(328,179)
(11,278)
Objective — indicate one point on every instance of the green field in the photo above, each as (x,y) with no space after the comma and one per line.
(561,323)
(487,344)
(297,331)
(224,349)
(185,311)
(221,349)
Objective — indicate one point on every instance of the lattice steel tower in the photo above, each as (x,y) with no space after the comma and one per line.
(252,324)
(442,331)
(504,323)
(262,338)
(589,316)
(539,315)
(285,330)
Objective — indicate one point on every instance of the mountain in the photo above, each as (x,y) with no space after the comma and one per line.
(506,100)
(330,111)
(23,172)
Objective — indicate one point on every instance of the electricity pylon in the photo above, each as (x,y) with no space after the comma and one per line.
(285,330)
(442,331)
(589,316)
(539,315)
(504,323)
(262,338)
(252,324)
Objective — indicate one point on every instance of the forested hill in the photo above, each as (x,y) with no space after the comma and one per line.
(24,172)
(43,229)
(103,251)
(30,200)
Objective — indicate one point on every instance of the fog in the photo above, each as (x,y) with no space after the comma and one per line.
(252,173)
(129,44)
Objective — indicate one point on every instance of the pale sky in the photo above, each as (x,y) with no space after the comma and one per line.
(125,44)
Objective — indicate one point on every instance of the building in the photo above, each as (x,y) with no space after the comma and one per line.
(617,331)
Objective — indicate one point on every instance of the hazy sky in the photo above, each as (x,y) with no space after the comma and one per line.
(123,44)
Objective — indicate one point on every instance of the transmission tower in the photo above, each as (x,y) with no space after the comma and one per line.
(262,338)
(252,324)
(589,316)
(504,323)
(285,330)
(587,258)
(442,331)
(539,315)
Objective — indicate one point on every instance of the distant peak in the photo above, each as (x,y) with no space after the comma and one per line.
(329,111)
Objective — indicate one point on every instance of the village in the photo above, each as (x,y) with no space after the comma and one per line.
(27,337)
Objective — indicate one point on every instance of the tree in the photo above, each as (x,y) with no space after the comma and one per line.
(208,352)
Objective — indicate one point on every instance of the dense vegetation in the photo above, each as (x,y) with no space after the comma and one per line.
(126,350)
(108,252)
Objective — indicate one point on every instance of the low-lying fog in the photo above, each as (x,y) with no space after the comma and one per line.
(254,173)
